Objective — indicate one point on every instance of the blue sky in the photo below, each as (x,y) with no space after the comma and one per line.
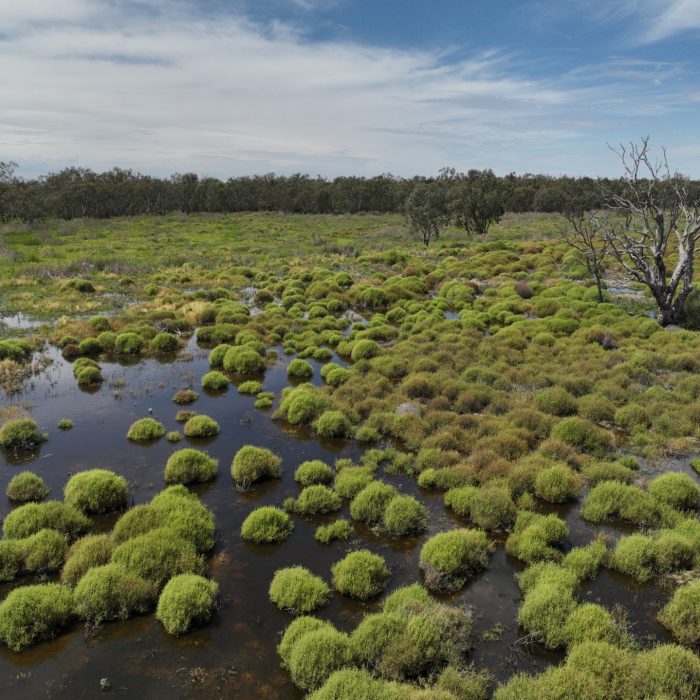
(336,87)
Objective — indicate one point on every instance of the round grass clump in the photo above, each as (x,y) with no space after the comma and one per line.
(590,622)
(340,529)
(364,350)
(449,559)
(333,424)
(145,430)
(489,507)
(313,472)
(214,380)
(85,554)
(25,487)
(201,427)
(555,401)
(534,535)
(128,344)
(349,481)
(361,575)
(185,396)
(29,518)
(173,436)
(189,466)
(297,629)
(182,512)
(96,491)
(267,525)
(369,504)
(357,684)
(676,490)
(251,388)
(110,592)
(407,598)
(216,356)
(44,552)
(89,376)
(545,611)
(635,556)
(243,360)
(300,369)
(30,614)
(583,435)
(318,654)
(302,405)
(164,343)
(666,671)
(186,602)
(65,424)
(20,434)
(557,483)
(158,555)
(298,591)
(374,634)
(314,500)
(253,463)
(405,515)
(682,614)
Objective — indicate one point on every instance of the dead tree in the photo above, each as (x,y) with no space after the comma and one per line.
(653,209)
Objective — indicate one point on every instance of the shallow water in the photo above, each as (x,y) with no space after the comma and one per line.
(235,655)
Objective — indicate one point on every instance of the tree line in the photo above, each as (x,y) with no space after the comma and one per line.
(80,192)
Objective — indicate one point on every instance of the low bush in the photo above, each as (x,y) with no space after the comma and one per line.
(110,592)
(302,405)
(611,500)
(333,424)
(583,435)
(215,381)
(65,424)
(96,491)
(297,629)
(30,614)
(189,466)
(313,472)
(314,500)
(449,559)
(534,535)
(635,556)
(128,344)
(339,529)
(316,655)
(364,350)
(300,369)
(243,360)
(186,602)
(682,614)
(164,343)
(201,427)
(590,622)
(185,396)
(84,554)
(298,591)
(349,481)
(25,487)
(267,525)
(557,483)
(145,430)
(676,490)
(29,518)
(356,684)
(488,507)
(250,464)
(20,434)
(251,387)
(360,575)
(369,504)
(404,515)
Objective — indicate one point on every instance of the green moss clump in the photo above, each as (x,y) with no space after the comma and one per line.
(163,343)
(534,535)
(215,381)
(356,684)
(300,369)
(44,552)
(676,490)
(369,504)
(96,491)
(187,601)
(316,655)
(89,376)
(84,554)
(585,562)
(557,483)
(128,344)
(583,435)
(201,427)
(349,481)
(251,387)
(364,350)
(298,591)
(251,464)
(555,401)
(243,360)
(339,529)
(371,638)
(189,466)
(297,629)
(216,356)
(158,555)
(682,614)
(545,611)
(634,555)
(267,525)
(449,559)
(30,614)
(405,515)
(173,436)
(25,487)
(590,622)
(145,430)
(302,405)
(53,515)
(333,424)
(360,575)
(65,424)
(489,507)
(110,592)
(20,434)
(314,500)
(313,472)
(611,500)
(406,598)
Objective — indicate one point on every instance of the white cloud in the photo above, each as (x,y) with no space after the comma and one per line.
(104,84)
(672,17)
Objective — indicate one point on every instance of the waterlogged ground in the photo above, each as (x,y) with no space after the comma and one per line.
(235,656)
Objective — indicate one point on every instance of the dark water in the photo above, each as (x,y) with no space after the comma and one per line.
(235,655)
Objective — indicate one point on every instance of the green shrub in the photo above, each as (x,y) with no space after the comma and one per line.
(89,346)
(339,529)
(407,598)
(300,369)
(364,350)
(682,614)
(355,684)
(128,344)
(667,671)
(404,515)
(585,562)
(298,591)
(201,427)
(96,491)
(215,381)
(533,536)
(489,507)
(65,424)
(164,342)
(243,360)
(544,613)
(44,552)
(185,396)
(173,436)
(158,555)
(86,553)
(297,629)
(16,350)
(557,483)
(611,500)
(187,601)
(11,559)
(26,486)
(634,555)
(20,434)
(189,466)
(676,490)
(608,471)
(369,504)
(333,424)
(30,614)
(182,512)
(314,500)
(555,401)
(253,463)
(374,634)
(464,684)
(267,524)
(53,515)
(360,575)
(253,388)
(583,436)
(313,472)
(316,655)
(590,622)
(110,592)
(349,481)
(216,356)
(145,430)
(302,405)
(449,559)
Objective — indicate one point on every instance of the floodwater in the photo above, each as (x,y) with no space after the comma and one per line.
(235,655)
